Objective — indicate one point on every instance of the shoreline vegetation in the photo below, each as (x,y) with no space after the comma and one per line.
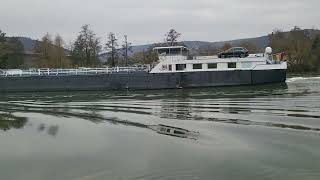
(301,48)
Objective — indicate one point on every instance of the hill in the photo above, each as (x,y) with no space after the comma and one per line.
(260,42)
(28,43)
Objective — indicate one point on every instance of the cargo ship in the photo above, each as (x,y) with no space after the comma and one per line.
(175,68)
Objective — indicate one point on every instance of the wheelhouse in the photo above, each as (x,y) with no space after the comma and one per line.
(172,51)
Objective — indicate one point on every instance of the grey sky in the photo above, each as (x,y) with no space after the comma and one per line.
(146,21)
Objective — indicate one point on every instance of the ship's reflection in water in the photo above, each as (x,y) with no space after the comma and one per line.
(123,135)
(8,121)
(190,104)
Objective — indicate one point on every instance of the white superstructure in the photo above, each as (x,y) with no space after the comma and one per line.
(175,59)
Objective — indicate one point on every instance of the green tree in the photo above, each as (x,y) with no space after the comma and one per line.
(2,36)
(15,57)
(3,50)
(315,51)
(11,52)
(297,44)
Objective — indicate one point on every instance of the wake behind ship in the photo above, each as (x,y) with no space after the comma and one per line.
(175,69)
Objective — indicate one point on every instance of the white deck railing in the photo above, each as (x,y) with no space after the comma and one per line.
(79,71)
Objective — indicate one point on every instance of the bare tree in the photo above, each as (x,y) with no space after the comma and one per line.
(226,46)
(250,46)
(172,37)
(51,53)
(126,47)
(59,52)
(86,47)
(44,48)
(112,45)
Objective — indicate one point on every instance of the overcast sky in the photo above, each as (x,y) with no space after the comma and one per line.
(146,21)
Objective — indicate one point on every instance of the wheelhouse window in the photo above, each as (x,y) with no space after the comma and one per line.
(197,66)
(178,132)
(232,65)
(212,66)
(180,67)
(170,67)
(172,51)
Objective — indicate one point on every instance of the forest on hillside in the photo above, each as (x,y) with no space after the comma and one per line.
(301,48)
(11,52)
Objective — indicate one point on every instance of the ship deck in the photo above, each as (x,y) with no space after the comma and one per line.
(67,72)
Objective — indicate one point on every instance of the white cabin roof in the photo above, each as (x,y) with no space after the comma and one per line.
(171,47)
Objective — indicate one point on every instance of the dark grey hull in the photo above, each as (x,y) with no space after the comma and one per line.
(140,81)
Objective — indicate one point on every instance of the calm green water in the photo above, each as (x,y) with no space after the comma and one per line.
(262,132)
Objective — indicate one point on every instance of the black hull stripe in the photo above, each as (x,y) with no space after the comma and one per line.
(140,81)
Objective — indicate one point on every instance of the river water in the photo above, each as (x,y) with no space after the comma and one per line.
(250,132)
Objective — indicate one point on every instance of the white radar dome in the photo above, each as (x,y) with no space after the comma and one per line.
(268,50)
